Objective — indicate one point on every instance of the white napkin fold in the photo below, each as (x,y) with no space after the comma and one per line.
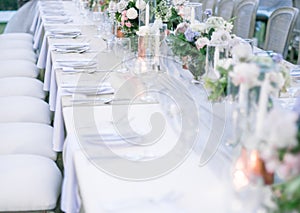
(58,19)
(80,64)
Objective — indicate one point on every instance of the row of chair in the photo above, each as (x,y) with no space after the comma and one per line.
(30,179)
(280,23)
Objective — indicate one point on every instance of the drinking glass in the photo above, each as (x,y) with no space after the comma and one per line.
(214,54)
(122,50)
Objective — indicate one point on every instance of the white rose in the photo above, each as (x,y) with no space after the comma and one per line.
(198,27)
(201,42)
(241,52)
(122,6)
(132,13)
(140,4)
(220,37)
(178,2)
(245,73)
(275,135)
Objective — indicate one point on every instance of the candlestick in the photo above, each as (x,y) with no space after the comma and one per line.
(243,96)
(147,15)
(192,15)
(216,57)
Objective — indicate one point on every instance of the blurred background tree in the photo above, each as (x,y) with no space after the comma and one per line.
(8,4)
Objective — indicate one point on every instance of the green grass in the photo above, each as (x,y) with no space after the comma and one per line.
(2,26)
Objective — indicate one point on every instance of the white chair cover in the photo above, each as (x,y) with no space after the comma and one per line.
(26,138)
(14,44)
(24,109)
(17,36)
(28,183)
(9,68)
(21,86)
(19,54)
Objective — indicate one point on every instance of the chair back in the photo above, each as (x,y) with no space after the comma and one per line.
(225,8)
(279,29)
(209,4)
(245,16)
(297,25)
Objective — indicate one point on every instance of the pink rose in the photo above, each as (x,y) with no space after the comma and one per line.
(128,24)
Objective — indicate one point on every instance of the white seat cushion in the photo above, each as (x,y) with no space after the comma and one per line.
(24,109)
(14,44)
(18,54)
(27,138)
(17,36)
(21,86)
(28,183)
(23,68)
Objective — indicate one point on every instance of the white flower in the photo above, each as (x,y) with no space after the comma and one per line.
(140,4)
(215,23)
(198,27)
(278,79)
(281,131)
(143,30)
(245,73)
(112,6)
(178,2)
(241,52)
(226,63)
(122,6)
(220,37)
(132,13)
(201,42)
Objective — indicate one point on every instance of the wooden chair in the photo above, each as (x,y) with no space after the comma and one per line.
(225,9)
(279,29)
(245,15)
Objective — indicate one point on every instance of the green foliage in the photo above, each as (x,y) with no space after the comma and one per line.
(8,4)
(287,195)
(219,87)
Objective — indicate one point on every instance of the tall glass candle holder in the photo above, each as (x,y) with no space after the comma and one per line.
(146,12)
(193,12)
(214,54)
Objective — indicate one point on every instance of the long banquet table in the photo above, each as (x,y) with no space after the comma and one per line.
(186,169)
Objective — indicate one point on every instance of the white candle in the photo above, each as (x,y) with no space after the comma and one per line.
(243,93)
(147,15)
(216,60)
(192,15)
(262,105)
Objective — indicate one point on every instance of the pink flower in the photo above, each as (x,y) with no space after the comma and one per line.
(128,24)
(124,17)
(201,42)
(290,166)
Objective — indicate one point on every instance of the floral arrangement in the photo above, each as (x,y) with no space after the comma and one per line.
(127,15)
(98,5)
(247,69)
(275,136)
(280,150)
(168,14)
(189,41)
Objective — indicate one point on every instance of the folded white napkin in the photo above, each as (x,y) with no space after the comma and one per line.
(103,88)
(58,19)
(80,64)
(71,47)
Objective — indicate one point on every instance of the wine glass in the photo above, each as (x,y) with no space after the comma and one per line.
(122,50)
(107,35)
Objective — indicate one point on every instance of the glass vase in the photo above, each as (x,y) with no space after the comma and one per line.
(215,53)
